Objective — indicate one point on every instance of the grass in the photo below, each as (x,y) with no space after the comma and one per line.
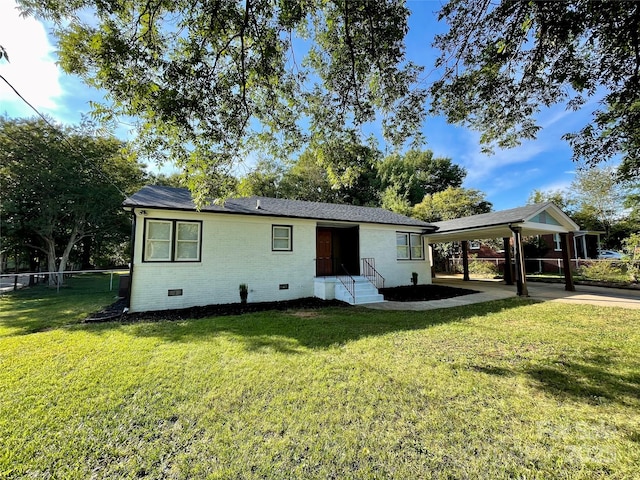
(507,389)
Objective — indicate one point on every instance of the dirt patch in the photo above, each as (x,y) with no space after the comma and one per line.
(305,314)
(419,293)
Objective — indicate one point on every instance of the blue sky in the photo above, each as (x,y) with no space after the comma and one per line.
(507,177)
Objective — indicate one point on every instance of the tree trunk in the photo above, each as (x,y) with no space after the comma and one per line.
(87,245)
(51,260)
(73,239)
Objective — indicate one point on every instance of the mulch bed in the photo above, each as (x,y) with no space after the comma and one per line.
(419,293)
(410,293)
(115,311)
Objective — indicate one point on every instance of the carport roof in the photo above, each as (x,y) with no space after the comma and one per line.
(536,219)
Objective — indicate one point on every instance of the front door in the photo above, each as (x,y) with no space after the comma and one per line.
(324,259)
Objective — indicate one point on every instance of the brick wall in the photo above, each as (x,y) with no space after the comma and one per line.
(237,249)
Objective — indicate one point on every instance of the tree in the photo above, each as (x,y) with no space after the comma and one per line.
(450,204)
(208,81)
(171,180)
(503,61)
(599,199)
(307,180)
(62,185)
(559,198)
(351,169)
(263,180)
(417,173)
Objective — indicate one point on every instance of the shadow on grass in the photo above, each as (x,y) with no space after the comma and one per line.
(293,331)
(593,379)
(41,308)
(587,379)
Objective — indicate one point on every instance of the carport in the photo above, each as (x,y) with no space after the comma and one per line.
(536,219)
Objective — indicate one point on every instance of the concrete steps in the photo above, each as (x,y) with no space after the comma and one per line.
(365,292)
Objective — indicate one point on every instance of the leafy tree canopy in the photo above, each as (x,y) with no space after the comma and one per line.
(417,173)
(504,60)
(209,80)
(61,185)
(450,204)
(560,199)
(598,200)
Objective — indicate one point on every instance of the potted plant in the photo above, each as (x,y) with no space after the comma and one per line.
(244,292)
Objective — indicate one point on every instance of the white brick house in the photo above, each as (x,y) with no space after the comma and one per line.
(282,249)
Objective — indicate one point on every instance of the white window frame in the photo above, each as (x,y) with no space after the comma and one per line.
(288,237)
(409,246)
(173,241)
(178,241)
(475,245)
(149,242)
(557,242)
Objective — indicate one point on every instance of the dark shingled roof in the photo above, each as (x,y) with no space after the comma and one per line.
(503,217)
(169,198)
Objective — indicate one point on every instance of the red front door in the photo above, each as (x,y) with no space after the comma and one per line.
(324,259)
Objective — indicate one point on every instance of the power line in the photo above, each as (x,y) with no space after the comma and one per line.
(64,138)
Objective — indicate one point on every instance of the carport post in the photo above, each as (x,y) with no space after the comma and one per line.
(465,260)
(508,273)
(521,277)
(568,276)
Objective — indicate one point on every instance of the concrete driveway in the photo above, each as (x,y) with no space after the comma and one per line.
(496,290)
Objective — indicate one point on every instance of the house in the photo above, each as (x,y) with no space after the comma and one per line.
(281,249)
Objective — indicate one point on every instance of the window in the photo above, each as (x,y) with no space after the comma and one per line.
(409,246)
(474,245)
(417,252)
(158,244)
(172,241)
(402,246)
(281,238)
(187,241)
(557,242)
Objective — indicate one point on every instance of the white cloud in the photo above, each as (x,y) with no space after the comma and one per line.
(481,167)
(559,185)
(32,69)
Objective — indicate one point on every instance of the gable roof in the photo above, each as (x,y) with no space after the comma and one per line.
(169,198)
(539,218)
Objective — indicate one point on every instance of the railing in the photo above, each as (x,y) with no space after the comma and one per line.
(370,273)
(348,282)
(543,265)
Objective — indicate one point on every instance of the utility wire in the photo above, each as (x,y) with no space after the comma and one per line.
(64,138)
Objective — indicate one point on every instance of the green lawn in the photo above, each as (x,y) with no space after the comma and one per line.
(507,389)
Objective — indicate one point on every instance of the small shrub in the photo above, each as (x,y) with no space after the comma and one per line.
(604,271)
(483,269)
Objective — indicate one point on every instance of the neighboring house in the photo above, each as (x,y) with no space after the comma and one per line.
(282,249)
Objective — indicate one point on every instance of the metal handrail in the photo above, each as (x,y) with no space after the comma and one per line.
(370,273)
(348,282)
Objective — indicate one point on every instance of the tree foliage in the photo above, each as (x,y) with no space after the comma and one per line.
(450,204)
(210,80)
(417,173)
(559,198)
(503,61)
(339,172)
(598,200)
(61,185)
